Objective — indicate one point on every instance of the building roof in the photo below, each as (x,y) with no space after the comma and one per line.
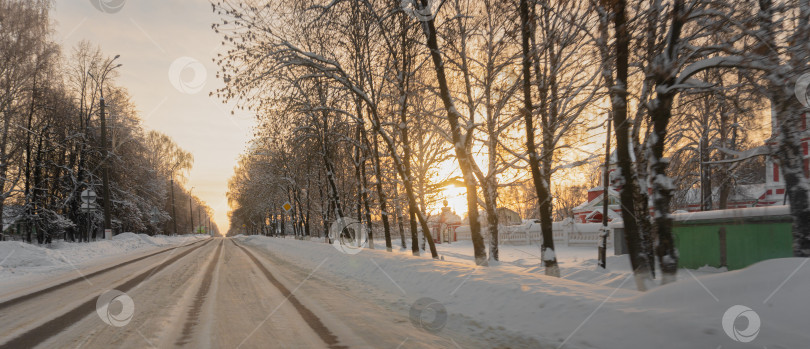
(597,201)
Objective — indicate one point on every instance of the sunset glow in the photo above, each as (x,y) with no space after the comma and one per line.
(456,199)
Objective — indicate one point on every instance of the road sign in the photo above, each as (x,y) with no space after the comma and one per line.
(287,207)
(88,207)
(88,196)
(108,234)
(155,216)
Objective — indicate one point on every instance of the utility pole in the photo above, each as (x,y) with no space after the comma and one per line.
(191,209)
(174,208)
(199,216)
(105,173)
(105,176)
(605,201)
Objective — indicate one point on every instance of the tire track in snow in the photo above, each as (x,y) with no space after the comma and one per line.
(14,301)
(309,317)
(43,332)
(193,317)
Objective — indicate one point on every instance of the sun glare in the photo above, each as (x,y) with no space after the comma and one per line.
(456,199)
(456,196)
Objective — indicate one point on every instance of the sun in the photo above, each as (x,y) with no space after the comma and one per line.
(456,199)
(455,194)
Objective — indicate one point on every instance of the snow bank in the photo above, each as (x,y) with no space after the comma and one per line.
(19,260)
(577,263)
(507,301)
(737,213)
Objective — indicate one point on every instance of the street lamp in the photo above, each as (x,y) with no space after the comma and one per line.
(105,176)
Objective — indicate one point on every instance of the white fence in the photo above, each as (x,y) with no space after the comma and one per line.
(570,234)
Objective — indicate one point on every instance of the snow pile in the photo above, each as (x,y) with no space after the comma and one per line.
(21,255)
(19,260)
(512,304)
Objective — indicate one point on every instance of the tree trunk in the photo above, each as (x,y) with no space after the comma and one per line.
(492,224)
(660,114)
(541,189)
(705,169)
(662,189)
(459,141)
(400,221)
(37,190)
(789,114)
(791,157)
(358,165)
(618,96)
(414,233)
(4,160)
(646,230)
(366,205)
(330,178)
(725,178)
(381,195)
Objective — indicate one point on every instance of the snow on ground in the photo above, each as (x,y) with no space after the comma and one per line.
(578,263)
(514,300)
(22,263)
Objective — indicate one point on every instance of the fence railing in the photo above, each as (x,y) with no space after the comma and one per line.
(569,234)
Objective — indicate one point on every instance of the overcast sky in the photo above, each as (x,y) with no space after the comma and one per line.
(166,47)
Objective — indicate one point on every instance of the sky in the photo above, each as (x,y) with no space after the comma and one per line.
(166,49)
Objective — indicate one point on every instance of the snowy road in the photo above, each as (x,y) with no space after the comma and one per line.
(255,291)
(214,293)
